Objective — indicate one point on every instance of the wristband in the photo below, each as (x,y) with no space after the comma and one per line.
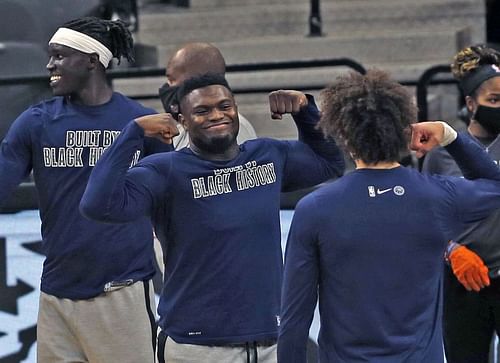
(449,135)
(452,246)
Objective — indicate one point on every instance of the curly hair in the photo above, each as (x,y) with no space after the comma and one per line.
(369,115)
(114,34)
(469,59)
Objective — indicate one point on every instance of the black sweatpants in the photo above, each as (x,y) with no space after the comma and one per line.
(469,320)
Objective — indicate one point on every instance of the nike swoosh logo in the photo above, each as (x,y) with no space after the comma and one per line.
(383,191)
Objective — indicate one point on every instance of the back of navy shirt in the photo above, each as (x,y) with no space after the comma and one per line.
(373,242)
(61,142)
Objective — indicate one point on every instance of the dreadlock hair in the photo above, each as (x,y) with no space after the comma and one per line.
(369,115)
(201,81)
(470,59)
(114,34)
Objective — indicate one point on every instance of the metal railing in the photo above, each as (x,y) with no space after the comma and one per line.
(423,83)
(247,67)
(25,196)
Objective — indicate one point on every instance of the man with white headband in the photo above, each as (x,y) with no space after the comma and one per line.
(97,299)
(82,42)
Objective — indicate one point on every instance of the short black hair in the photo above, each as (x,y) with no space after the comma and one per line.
(114,34)
(369,115)
(204,80)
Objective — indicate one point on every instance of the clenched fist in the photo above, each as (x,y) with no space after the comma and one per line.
(161,126)
(286,101)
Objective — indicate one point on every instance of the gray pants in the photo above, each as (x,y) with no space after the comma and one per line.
(117,326)
(171,352)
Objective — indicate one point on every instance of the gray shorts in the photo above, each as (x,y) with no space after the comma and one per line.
(171,352)
(116,326)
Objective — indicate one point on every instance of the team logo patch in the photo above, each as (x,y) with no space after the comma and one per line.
(375,191)
(399,190)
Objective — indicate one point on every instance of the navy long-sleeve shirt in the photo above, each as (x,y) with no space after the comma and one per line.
(371,244)
(218,222)
(61,142)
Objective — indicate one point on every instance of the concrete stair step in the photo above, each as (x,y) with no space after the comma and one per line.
(370,48)
(344,17)
(205,4)
(441,102)
(404,37)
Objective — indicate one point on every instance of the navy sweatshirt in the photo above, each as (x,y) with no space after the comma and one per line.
(61,142)
(218,222)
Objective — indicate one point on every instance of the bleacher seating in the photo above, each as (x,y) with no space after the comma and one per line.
(25,28)
(20,58)
(404,37)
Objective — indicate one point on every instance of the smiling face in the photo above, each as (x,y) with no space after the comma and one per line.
(68,69)
(210,116)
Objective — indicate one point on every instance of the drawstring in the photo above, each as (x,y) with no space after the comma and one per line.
(247,346)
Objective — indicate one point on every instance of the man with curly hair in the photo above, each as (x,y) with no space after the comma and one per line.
(371,244)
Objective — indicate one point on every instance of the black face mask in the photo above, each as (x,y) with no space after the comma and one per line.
(489,118)
(168,97)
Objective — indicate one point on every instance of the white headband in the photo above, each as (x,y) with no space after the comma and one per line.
(82,42)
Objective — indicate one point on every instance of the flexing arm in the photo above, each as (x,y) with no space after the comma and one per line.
(116,193)
(314,159)
(472,160)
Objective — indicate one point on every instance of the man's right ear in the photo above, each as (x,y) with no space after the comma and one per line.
(182,121)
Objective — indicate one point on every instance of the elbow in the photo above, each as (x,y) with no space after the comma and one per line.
(97,209)
(92,211)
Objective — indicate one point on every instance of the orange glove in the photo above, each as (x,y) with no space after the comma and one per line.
(469,268)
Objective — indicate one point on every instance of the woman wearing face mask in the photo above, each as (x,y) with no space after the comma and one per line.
(472,277)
